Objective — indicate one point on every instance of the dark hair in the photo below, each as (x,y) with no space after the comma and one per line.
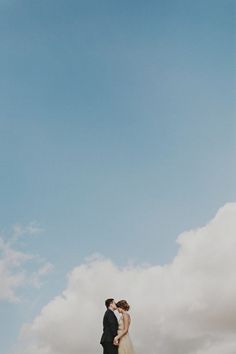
(108,302)
(123,304)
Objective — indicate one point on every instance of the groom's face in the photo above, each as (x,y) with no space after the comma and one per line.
(113,305)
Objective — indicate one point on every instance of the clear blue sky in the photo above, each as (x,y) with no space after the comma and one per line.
(117,128)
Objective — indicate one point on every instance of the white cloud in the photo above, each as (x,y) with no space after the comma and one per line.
(29,230)
(14,272)
(186,307)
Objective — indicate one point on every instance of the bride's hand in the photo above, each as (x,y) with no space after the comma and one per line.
(116,341)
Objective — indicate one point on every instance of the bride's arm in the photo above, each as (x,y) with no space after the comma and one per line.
(126,327)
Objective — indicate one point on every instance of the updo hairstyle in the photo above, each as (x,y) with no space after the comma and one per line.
(123,304)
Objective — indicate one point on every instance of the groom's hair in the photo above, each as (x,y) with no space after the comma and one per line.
(108,302)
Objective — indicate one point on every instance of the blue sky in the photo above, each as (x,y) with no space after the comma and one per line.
(117,129)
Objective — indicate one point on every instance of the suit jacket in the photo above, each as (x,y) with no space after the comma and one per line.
(110,326)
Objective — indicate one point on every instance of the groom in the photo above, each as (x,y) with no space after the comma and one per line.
(110,328)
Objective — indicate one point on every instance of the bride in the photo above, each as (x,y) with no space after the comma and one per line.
(122,339)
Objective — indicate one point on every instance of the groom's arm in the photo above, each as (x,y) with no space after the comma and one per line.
(112,323)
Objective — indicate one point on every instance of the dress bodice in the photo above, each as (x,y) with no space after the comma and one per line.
(125,346)
(121,324)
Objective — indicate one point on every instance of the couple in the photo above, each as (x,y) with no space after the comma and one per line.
(115,338)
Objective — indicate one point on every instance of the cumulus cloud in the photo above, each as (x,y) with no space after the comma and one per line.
(185,307)
(14,270)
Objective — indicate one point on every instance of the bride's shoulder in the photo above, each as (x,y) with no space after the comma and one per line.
(126,315)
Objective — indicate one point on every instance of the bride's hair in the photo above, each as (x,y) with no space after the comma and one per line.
(123,304)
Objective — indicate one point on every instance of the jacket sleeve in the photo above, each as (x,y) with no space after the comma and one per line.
(112,323)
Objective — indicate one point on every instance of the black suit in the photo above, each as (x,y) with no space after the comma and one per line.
(110,328)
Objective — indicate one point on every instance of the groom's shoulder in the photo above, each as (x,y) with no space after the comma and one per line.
(109,313)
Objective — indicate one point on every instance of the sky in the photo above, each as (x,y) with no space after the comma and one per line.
(117,134)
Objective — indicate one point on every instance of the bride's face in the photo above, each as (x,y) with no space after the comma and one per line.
(119,310)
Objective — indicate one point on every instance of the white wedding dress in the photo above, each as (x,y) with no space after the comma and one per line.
(125,345)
